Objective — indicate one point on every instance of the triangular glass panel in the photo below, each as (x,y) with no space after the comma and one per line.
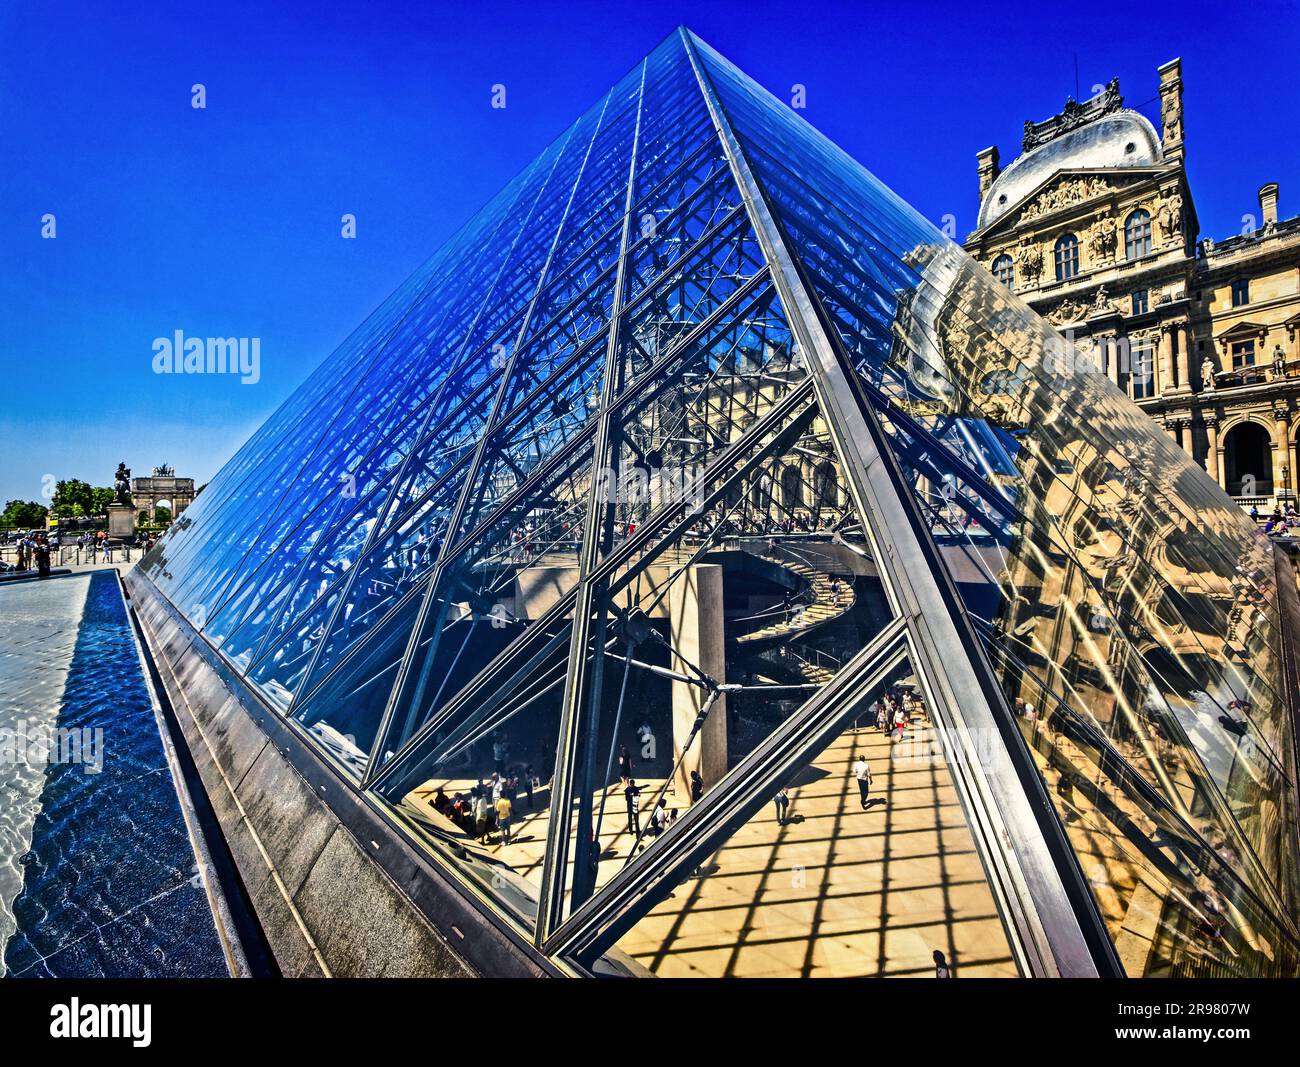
(726,599)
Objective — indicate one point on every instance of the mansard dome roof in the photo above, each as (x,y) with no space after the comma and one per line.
(1120,139)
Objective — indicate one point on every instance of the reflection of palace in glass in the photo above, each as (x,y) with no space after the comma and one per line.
(703,567)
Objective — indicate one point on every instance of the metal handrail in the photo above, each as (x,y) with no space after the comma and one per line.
(76,555)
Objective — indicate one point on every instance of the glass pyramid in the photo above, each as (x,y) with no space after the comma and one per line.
(690,462)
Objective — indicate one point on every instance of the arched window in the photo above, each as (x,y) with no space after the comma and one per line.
(828,486)
(1137,235)
(1248,460)
(1067,257)
(1005,271)
(791,488)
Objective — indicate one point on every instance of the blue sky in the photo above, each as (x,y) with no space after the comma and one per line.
(226,221)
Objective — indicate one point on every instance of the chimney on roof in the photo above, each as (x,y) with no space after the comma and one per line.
(1171,108)
(1268,203)
(988,169)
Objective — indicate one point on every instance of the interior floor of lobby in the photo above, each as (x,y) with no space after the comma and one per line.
(834,891)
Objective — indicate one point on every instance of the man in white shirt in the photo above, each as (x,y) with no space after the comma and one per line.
(862,772)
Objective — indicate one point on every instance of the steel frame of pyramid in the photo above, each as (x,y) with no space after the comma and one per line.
(484,398)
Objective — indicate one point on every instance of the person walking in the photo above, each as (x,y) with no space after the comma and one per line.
(529,780)
(624,764)
(782,802)
(631,791)
(862,773)
(481,818)
(697,787)
(504,810)
(659,818)
(1065,787)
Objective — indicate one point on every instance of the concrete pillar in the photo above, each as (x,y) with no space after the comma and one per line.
(924,487)
(1212,465)
(695,616)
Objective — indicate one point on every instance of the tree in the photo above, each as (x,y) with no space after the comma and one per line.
(23,513)
(162,515)
(101,497)
(73,497)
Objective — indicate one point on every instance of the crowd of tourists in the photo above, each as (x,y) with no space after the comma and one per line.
(1281,523)
(489,807)
(661,815)
(895,711)
(38,549)
(32,551)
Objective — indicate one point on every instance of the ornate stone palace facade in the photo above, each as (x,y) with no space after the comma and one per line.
(1095,227)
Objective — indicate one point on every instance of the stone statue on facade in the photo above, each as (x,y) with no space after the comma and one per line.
(1207,373)
(1066,311)
(1279,363)
(1029,260)
(1171,116)
(1102,302)
(1169,216)
(1101,241)
(1064,194)
(1072,116)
